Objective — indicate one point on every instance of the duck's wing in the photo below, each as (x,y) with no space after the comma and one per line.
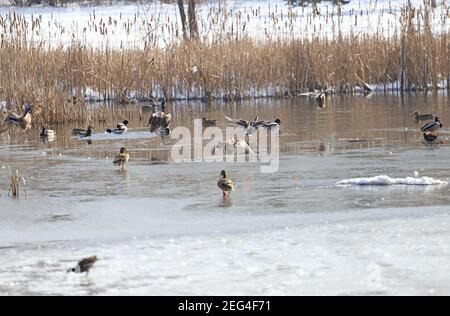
(270,124)
(87,263)
(155,122)
(239,122)
(226,184)
(166,120)
(430,126)
(246,146)
(121,158)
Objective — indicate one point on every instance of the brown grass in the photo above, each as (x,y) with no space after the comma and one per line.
(230,65)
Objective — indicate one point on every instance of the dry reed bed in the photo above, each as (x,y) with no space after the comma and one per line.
(220,66)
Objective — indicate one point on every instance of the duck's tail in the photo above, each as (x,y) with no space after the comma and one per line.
(109,131)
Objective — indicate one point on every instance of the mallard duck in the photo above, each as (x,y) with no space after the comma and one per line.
(120,128)
(122,158)
(83,132)
(47,133)
(423,117)
(208,123)
(432,127)
(225,184)
(272,124)
(24,121)
(321,99)
(84,265)
(159,120)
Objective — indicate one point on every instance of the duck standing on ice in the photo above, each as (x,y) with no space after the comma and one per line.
(432,127)
(122,158)
(225,184)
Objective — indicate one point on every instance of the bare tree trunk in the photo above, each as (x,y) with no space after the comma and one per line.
(193,26)
(183,18)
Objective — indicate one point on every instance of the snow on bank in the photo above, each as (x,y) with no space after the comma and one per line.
(134,25)
(386,180)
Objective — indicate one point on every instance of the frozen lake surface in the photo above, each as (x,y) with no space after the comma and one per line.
(163,228)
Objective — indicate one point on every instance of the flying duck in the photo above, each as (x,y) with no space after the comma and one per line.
(225,184)
(122,158)
(84,265)
(159,120)
(24,121)
(120,128)
(249,126)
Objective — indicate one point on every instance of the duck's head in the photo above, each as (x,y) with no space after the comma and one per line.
(278,121)
(416,114)
(125,123)
(223,174)
(123,150)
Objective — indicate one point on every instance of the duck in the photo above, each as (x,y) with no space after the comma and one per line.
(319,96)
(84,266)
(432,127)
(249,126)
(83,132)
(23,121)
(159,120)
(121,128)
(272,124)
(47,133)
(208,123)
(225,184)
(232,146)
(321,99)
(423,117)
(122,158)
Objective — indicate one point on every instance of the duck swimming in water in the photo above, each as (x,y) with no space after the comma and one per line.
(121,128)
(423,117)
(122,158)
(47,133)
(225,184)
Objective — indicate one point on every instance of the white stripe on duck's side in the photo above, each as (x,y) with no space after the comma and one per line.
(120,128)
(432,126)
(47,133)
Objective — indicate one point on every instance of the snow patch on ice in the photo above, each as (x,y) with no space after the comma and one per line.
(386,180)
